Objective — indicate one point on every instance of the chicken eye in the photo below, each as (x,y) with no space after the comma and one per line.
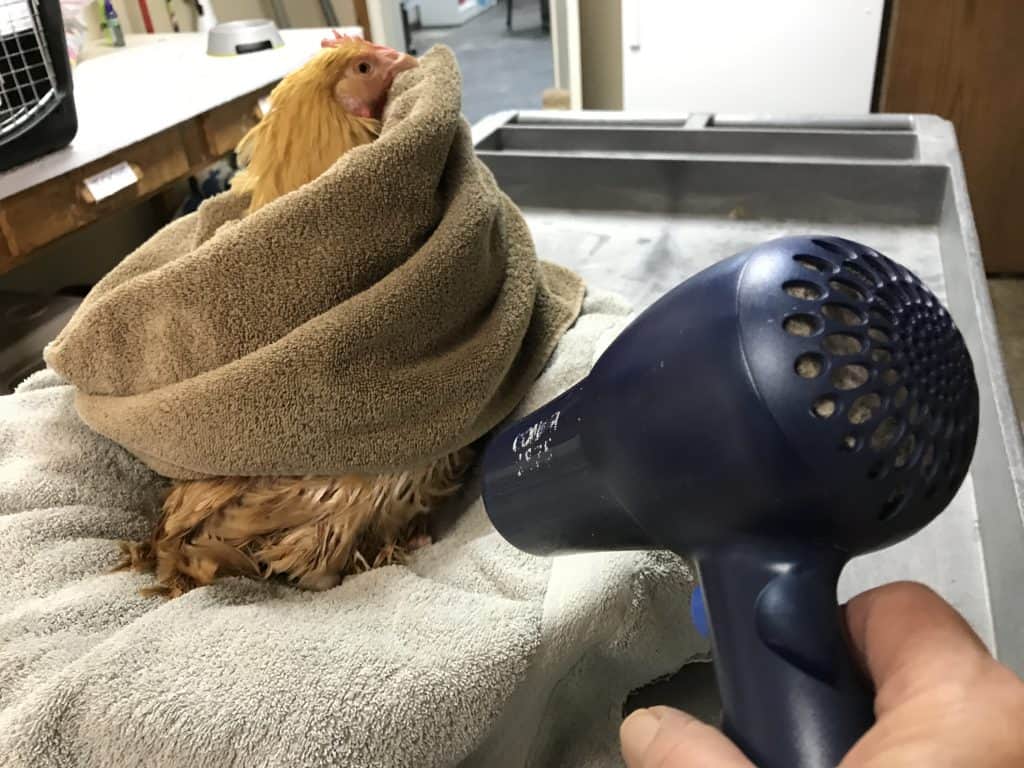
(364,68)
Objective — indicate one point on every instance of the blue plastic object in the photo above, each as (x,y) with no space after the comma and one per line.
(698,614)
(775,415)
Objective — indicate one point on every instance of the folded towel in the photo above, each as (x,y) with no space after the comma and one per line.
(473,653)
(384,315)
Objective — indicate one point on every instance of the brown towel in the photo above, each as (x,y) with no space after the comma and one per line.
(387,313)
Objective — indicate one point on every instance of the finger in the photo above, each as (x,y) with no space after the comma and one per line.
(909,637)
(662,737)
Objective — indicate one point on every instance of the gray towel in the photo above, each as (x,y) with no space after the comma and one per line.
(473,654)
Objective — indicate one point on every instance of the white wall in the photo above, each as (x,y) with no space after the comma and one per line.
(783,56)
(386,23)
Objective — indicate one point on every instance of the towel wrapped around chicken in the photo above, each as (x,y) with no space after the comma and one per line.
(382,316)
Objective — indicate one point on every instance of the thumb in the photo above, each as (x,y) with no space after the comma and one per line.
(662,737)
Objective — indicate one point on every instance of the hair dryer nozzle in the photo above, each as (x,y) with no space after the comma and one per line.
(544,495)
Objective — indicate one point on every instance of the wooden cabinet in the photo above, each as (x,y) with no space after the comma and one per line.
(225,126)
(48,211)
(964,60)
(43,213)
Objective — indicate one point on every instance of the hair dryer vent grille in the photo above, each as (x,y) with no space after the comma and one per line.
(887,364)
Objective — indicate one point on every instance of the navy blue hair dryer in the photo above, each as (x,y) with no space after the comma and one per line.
(784,410)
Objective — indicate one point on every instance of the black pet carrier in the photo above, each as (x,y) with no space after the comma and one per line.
(37,111)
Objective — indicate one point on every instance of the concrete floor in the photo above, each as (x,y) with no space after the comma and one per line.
(501,69)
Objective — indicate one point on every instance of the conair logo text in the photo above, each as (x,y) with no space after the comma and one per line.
(532,446)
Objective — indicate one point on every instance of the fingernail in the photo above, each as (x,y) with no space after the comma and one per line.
(637,733)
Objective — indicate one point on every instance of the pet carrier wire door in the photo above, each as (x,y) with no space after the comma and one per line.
(36,110)
(28,85)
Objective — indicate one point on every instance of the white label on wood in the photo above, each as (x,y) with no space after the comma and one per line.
(113,180)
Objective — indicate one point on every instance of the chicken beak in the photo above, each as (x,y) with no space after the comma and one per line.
(401,63)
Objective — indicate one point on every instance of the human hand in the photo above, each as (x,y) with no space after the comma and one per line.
(941,699)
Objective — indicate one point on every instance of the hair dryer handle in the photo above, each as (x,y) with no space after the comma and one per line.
(791,693)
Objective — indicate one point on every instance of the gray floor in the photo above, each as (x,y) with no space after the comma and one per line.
(501,69)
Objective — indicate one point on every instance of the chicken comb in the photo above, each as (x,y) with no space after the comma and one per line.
(338,40)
